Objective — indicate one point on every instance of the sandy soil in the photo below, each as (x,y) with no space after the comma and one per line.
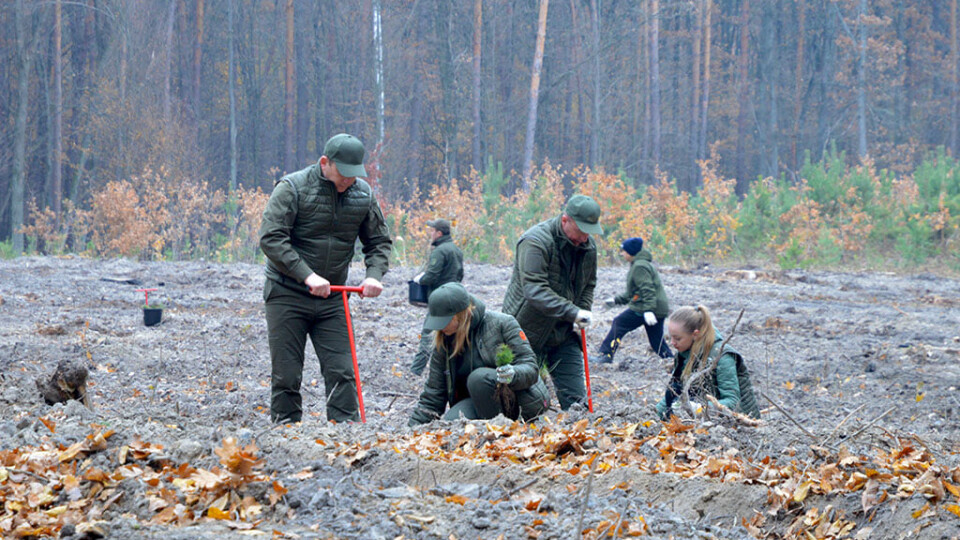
(835,352)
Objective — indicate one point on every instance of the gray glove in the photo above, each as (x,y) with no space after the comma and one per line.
(610,302)
(505,374)
(584,319)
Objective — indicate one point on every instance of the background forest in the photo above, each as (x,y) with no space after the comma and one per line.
(818,132)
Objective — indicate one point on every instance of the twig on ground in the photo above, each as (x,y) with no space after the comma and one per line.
(785,413)
(28,473)
(832,433)
(738,417)
(397,394)
(586,497)
(518,489)
(868,426)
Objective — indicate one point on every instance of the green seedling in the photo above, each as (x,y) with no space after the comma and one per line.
(503,393)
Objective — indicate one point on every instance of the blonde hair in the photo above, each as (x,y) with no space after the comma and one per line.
(692,319)
(460,341)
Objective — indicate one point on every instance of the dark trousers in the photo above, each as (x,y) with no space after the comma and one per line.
(482,383)
(627,322)
(424,351)
(565,364)
(291,317)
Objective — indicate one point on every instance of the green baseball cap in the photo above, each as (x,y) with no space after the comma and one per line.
(445,301)
(441,225)
(585,212)
(347,152)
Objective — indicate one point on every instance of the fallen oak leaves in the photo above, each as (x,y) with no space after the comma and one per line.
(33,479)
(904,472)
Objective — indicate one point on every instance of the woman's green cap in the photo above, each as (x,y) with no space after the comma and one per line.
(445,301)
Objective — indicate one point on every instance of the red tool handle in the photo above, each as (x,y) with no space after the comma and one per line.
(345,289)
(353,347)
(586,367)
(146,295)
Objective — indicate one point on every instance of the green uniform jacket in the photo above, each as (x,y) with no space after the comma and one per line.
(552,280)
(309,227)
(488,329)
(730,382)
(445,264)
(644,290)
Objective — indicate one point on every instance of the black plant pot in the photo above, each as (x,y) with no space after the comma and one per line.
(152,316)
(418,294)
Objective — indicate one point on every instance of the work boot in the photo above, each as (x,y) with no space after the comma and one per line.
(601,359)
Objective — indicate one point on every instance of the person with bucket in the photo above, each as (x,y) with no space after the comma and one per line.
(646,302)
(463,375)
(310,226)
(551,292)
(445,265)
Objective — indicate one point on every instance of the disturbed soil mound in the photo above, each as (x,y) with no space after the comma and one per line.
(857,376)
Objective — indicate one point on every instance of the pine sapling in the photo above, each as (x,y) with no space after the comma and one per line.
(503,393)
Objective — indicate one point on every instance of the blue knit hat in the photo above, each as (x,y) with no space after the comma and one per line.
(632,245)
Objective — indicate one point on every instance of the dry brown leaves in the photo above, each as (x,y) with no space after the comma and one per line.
(44,488)
(906,471)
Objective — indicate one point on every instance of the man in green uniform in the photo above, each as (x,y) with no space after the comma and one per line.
(444,266)
(551,291)
(310,226)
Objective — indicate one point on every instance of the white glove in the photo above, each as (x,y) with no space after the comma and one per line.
(505,373)
(610,302)
(584,318)
(416,278)
(679,411)
(650,318)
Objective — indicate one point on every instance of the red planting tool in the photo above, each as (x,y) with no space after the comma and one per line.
(146,296)
(345,291)
(586,367)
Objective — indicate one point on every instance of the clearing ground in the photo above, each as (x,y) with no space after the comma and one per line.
(863,441)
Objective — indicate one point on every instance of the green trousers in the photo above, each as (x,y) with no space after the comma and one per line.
(481,404)
(291,317)
(565,364)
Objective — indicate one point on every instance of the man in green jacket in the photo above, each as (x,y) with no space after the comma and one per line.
(551,291)
(444,266)
(646,300)
(310,226)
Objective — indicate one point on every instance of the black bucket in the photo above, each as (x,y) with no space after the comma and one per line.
(152,316)
(418,294)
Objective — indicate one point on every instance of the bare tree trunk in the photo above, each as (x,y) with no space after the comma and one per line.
(378,44)
(798,92)
(290,93)
(232,76)
(862,84)
(954,81)
(595,121)
(20,132)
(695,96)
(534,94)
(646,169)
(582,145)
(770,70)
(56,188)
(654,55)
(743,92)
(705,97)
(167,64)
(197,56)
(477,50)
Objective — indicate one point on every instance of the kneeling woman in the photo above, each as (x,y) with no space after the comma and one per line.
(698,343)
(463,373)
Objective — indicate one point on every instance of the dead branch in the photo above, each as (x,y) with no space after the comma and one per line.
(586,497)
(832,433)
(785,413)
(738,417)
(518,489)
(868,426)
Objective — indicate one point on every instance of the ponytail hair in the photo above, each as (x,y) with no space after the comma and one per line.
(693,319)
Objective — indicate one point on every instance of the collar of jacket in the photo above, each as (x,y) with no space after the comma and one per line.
(562,239)
(442,240)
